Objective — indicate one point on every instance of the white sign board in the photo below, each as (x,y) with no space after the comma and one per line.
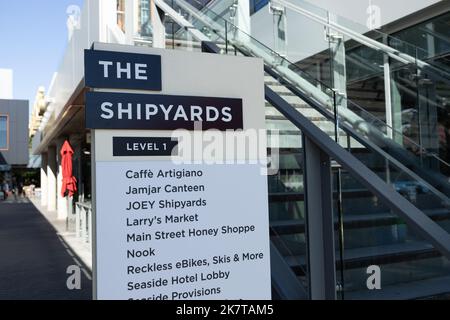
(168,228)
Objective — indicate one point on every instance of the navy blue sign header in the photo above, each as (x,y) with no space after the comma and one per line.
(121,70)
(144,146)
(105,110)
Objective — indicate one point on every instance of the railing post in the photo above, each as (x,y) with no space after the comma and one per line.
(319,222)
(89,225)
(77,220)
(83,223)
(338,75)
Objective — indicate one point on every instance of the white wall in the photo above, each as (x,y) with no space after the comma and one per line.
(95,21)
(356,10)
(306,37)
(6,84)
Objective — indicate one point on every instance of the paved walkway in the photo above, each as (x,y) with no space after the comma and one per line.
(78,246)
(34,257)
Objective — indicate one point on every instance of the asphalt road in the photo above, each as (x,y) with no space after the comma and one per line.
(33,259)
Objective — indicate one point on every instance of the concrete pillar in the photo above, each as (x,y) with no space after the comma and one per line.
(51,178)
(44,181)
(62,202)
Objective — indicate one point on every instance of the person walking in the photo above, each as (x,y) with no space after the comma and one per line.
(20,189)
(5,188)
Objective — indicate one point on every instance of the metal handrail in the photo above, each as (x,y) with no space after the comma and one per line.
(83,223)
(84,205)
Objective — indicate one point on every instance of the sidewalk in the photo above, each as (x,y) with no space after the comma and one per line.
(81,249)
(34,256)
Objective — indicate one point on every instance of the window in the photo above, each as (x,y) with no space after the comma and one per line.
(4,132)
(121,14)
(144,18)
(256,5)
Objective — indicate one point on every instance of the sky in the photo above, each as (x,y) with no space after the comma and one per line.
(33,37)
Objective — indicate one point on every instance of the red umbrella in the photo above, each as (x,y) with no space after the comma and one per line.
(69,182)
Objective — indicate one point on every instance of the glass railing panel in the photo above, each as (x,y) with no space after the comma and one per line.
(401,144)
(203,21)
(426,119)
(299,31)
(404,178)
(181,39)
(365,81)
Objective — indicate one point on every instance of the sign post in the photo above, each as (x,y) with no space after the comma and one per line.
(180,210)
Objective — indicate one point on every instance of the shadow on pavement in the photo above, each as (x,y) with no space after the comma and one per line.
(33,258)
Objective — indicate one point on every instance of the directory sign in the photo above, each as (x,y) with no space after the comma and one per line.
(178,214)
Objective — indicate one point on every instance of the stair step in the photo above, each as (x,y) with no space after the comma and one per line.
(379,255)
(291,98)
(309,113)
(312,116)
(278,88)
(301,105)
(405,291)
(350,221)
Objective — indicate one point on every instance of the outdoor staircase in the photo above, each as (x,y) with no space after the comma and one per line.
(410,267)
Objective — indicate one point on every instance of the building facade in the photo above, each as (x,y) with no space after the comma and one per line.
(379,90)
(13,139)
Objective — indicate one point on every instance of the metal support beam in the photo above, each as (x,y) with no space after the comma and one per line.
(158,29)
(388,96)
(286,283)
(319,222)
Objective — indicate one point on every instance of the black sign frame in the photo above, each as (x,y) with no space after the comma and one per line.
(164,146)
(94,72)
(95,111)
